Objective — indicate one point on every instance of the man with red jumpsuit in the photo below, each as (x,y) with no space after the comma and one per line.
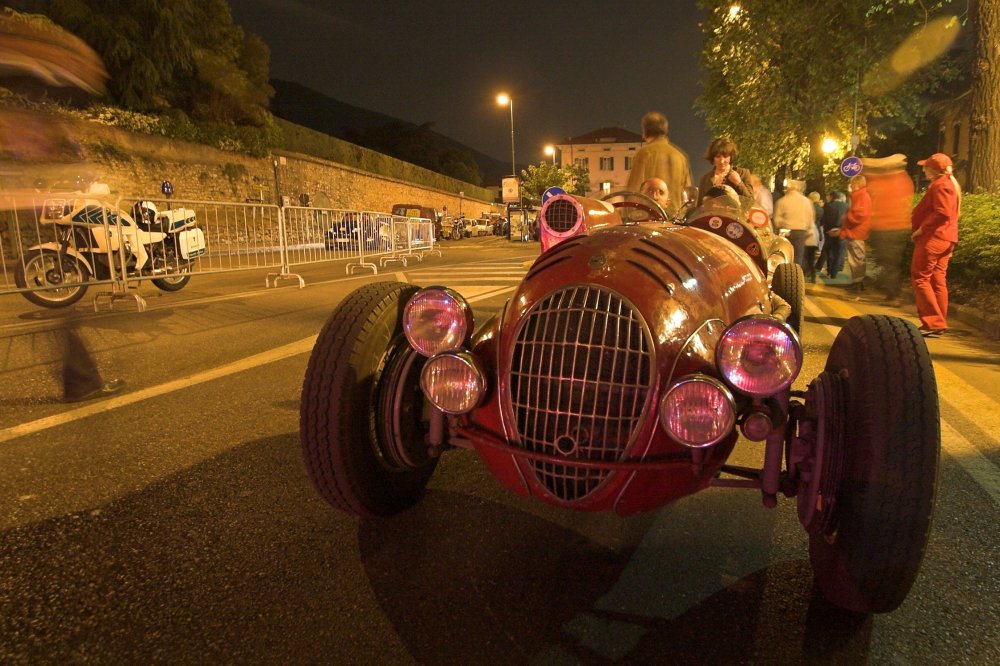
(934,222)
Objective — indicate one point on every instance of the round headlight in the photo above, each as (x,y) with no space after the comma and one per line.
(759,355)
(698,411)
(453,382)
(437,320)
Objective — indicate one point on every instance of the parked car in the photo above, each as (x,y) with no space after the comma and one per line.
(482,226)
(620,376)
(356,228)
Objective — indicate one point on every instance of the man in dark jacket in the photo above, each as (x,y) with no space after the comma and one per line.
(832,254)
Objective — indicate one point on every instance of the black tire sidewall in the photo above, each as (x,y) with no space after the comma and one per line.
(788,282)
(339,413)
(891,449)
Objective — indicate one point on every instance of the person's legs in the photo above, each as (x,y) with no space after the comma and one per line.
(926,257)
(856,262)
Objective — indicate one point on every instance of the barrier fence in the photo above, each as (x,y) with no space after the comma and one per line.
(54,246)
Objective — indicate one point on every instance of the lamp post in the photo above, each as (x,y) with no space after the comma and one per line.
(503,99)
(550,150)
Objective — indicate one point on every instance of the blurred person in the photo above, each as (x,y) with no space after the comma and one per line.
(762,195)
(794,212)
(81,379)
(934,224)
(657,190)
(891,191)
(721,154)
(658,158)
(832,254)
(815,237)
(854,231)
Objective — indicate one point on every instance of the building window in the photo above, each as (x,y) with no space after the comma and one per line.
(607,164)
(628,162)
(606,187)
(582,162)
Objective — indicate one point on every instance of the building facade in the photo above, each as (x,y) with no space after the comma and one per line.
(607,153)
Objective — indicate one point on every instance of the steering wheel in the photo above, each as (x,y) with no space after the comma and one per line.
(634,207)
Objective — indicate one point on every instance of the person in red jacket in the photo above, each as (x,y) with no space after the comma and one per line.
(854,231)
(934,222)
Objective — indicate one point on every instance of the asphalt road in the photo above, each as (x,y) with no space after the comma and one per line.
(175,522)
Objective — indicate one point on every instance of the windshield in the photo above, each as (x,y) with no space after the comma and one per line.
(729,204)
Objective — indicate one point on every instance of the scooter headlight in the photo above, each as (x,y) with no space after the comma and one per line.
(698,411)
(759,355)
(437,320)
(453,382)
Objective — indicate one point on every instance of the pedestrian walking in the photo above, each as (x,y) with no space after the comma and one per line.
(854,231)
(831,256)
(794,212)
(891,191)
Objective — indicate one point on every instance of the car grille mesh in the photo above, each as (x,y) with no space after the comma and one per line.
(581,373)
(561,215)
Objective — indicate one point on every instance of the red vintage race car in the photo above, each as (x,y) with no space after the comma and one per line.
(620,376)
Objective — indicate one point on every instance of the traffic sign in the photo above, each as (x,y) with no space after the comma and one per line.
(551,192)
(851,167)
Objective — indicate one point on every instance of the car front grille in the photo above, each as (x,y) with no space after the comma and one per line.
(580,376)
(561,215)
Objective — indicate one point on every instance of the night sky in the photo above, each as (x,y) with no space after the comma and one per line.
(570,67)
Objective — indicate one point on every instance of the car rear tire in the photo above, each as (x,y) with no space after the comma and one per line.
(362,422)
(789,282)
(867,558)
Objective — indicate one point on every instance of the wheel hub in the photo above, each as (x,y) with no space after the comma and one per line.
(818,453)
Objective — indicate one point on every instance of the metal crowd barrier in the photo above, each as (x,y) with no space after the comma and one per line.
(185,238)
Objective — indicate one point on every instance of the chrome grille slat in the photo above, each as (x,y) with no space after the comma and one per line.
(581,374)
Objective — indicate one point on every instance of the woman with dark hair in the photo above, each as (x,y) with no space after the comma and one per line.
(721,154)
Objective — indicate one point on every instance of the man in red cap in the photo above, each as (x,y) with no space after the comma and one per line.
(934,222)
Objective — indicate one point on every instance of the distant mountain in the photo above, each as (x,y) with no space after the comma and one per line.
(304,106)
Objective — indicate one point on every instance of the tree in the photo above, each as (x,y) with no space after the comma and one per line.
(781,74)
(984,144)
(161,54)
(538,178)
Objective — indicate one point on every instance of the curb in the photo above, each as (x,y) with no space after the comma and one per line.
(985,322)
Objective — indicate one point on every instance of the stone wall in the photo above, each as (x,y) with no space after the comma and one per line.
(135,165)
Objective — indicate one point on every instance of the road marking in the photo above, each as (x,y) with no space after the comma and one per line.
(302,346)
(966,398)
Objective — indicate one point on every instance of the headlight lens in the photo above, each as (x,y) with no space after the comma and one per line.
(437,320)
(453,382)
(759,355)
(698,411)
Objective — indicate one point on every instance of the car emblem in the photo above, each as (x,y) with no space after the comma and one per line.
(753,249)
(734,230)
(597,261)
(715,222)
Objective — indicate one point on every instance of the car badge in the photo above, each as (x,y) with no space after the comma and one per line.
(715,222)
(753,249)
(734,230)
(597,261)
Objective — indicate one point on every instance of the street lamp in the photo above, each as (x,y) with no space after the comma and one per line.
(829,145)
(503,99)
(551,151)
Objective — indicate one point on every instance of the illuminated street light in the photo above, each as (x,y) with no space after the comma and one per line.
(734,10)
(503,99)
(829,145)
(550,150)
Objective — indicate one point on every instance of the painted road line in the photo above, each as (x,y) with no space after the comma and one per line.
(964,398)
(302,346)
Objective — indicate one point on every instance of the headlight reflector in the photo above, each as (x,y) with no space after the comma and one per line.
(453,382)
(759,356)
(437,320)
(698,411)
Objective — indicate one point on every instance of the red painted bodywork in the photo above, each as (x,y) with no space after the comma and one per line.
(688,284)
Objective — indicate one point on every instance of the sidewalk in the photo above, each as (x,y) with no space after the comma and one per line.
(988,324)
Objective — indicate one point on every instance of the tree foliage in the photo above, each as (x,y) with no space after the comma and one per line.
(172,54)
(780,74)
(539,177)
